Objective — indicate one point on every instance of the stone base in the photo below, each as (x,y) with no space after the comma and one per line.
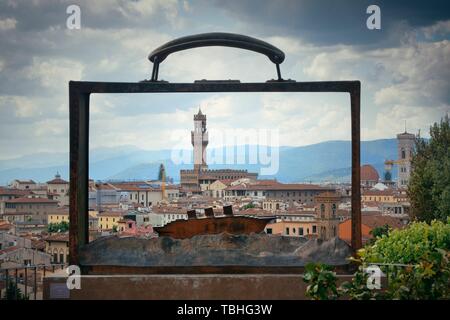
(182,287)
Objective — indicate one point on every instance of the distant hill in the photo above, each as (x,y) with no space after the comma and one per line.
(325,161)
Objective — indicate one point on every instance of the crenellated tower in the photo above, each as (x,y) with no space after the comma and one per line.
(199,139)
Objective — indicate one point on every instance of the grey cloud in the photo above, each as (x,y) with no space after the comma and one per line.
(335,22)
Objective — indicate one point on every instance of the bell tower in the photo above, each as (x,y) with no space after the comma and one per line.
(199,139)
(327,217)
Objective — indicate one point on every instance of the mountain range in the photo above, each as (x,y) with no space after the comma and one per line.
(325,161)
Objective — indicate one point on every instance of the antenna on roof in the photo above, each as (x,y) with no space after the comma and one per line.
(405,126)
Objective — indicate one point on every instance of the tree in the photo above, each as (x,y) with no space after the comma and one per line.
(13,292)
(63,226)
(378,232)
(429,185)
(161,173)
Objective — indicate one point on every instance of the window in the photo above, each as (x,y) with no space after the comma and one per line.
(403,154)
(287,231)
(333,208)
(269,230)
(300,231)
(314,229)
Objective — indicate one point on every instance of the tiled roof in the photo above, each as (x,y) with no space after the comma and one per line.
(387,192)
(57,181)
(57,237)
(279,187)
(13,192)
(111,214)
(31,200)
(369,173)
(25,181)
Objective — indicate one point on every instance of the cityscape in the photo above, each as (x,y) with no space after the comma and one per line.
(35,215)
(226,156)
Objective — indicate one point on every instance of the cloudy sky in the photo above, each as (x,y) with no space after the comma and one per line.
(404,69)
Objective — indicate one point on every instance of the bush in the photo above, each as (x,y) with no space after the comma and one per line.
(422,251)
(63,226)
(322,282)
(416,261)
(410,245)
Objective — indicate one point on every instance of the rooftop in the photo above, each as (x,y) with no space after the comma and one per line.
(31,200)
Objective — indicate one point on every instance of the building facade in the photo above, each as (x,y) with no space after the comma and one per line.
(327,215)
(199,178)
(405,148)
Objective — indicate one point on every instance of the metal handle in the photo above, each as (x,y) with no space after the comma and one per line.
(215,39)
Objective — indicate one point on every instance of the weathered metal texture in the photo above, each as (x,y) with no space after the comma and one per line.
(221,253)
(140,286)
(182,229)
(209,212)
(79,158)
(215,39)
(228,210)
(79,92)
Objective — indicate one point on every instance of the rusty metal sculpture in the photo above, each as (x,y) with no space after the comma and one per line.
(210,224)
(80,91)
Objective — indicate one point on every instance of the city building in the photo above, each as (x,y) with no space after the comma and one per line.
(327,215)
(60,188)
(108,220)
(23,184)
(405,153)
(58,216)
(29,209)
(294,223)
(200,177)
(369,176)
(57,246)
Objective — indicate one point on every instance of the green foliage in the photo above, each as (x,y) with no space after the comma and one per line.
(357,288)
(114,229)
(409,245)
(424,249)
(416,261)
(429,185)
(12,292)
(378,232)
(63,226)
(248,206)
(322,282)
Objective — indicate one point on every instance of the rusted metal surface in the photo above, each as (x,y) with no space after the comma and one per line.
(355,100)
(182,229)
(215,39)
(224,253)
(79,93)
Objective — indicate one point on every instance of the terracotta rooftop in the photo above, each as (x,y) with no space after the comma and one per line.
(111,214)
(57,181)
(57,237)
(369,173)
(31,200)
(279,187)
(13,192)
(387,192)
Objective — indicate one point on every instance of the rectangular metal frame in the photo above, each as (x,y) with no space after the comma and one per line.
(79,94)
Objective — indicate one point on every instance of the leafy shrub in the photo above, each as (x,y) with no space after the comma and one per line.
(322,282)
(410,245)
(415,260)
(63,226)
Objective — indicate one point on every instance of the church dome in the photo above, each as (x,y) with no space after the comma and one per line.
(369,173)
